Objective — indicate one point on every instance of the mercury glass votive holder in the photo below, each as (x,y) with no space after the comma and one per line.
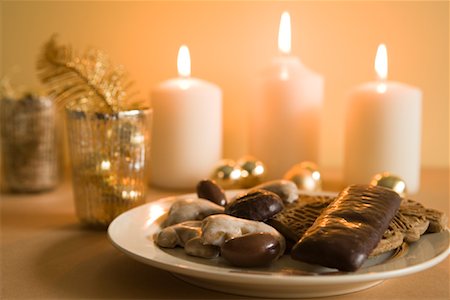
(30,156)
(109,155)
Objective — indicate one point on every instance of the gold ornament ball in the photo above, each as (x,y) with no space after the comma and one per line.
(227,174)
(306,176)
(253,171)
(390,181)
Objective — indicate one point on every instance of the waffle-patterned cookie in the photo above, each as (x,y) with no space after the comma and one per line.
(411,220)
(438,220)
(296,218)
(408,224)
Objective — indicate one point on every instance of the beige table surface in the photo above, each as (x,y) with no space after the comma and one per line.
(46,254)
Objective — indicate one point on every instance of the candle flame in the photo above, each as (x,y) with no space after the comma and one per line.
(184,61)
(381,62)
(284,33)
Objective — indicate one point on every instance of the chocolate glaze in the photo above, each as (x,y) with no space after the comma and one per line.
(251,250)
(210,190)
(349,229)
(258,205)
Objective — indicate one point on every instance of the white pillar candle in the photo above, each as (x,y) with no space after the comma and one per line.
(383,129)
(187,129)
(285,118)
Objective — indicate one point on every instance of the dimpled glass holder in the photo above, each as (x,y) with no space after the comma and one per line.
(109,155)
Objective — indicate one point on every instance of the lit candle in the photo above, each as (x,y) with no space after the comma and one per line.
(187,128)
(383,128)
(285,118)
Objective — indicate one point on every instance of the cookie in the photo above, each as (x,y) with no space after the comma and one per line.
(348,229)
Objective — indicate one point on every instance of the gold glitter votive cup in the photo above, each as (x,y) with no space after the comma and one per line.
(109,155)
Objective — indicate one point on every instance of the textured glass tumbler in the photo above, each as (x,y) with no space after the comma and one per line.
(109,155)
(29,144)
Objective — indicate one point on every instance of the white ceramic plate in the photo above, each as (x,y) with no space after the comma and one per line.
(133,231)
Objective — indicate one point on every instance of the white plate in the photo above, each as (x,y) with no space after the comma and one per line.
(133,231)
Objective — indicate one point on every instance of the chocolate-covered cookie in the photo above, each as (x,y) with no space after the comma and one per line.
(258,205)
(251,250)
(347,231)
(208,189)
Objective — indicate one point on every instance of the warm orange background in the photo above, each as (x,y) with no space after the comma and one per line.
(231,41)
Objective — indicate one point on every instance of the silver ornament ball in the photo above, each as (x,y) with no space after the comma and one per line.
(390,181)
(253,171)
(306,176)
(227,174)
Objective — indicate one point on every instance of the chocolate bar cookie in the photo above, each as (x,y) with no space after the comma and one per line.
(347,231)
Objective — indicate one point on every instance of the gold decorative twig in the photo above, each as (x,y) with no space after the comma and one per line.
(88,82)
